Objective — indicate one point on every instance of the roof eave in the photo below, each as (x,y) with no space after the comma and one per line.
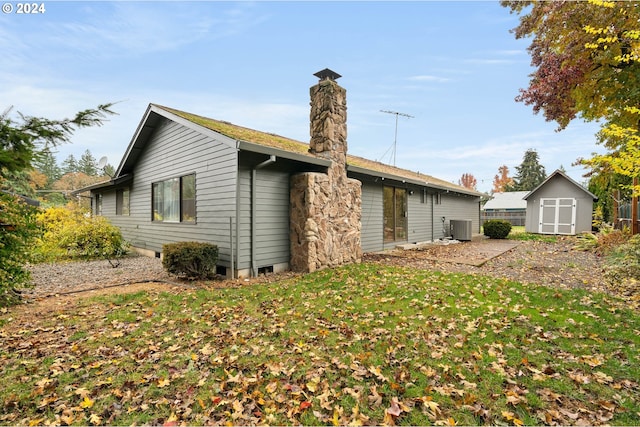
(399,178)
(291,155)
(105,184)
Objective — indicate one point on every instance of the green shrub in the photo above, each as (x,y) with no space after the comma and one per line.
(71,232)
(622,268)
(497,228)
(18,231)
(192,260)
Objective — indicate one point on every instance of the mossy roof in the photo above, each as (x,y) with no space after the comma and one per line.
(291,145)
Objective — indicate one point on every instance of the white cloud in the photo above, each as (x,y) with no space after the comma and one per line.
(121,29)
(429,78)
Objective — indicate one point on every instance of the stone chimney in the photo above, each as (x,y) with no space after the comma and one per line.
(326,208)
(328,118)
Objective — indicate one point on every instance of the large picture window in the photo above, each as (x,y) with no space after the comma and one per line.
(395,214)
(174,200)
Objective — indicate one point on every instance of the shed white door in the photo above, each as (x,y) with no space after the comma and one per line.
(557,216)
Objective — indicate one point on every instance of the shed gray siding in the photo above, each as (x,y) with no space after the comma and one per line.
(559,187)
(175,150)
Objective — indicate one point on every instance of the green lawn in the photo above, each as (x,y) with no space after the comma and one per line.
(362,344)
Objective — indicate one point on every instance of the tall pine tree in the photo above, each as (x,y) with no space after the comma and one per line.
(529,174)
(70,164)
(87,164)
(46,163)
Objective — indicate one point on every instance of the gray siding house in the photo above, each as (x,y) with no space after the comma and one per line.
(186,177)
(559,206)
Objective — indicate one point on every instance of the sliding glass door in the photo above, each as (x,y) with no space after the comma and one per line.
(395,214)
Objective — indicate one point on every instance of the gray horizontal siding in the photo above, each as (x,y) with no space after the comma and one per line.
(456,206)
(175,150)
(372,217)
(244,217)
(272,216)
(424,217)
(419,210)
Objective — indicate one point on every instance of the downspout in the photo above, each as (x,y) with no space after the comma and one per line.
(237,245)
(254,198)
(433,223)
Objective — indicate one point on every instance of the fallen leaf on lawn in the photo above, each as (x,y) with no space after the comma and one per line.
(272,386)
(375,370)
(432,407)
(163,382)
(375,399)
(206,350)
(579,377)
(67,418)
(95,419)
(394,409)
(592,360)
(82,392)
(312,385)
(172,421)
(86,402)
(337,412)
(572,415)
(397,407)
(305,405)
(602,378)
(510,416)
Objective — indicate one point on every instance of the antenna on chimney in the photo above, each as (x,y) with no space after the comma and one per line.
(395,138)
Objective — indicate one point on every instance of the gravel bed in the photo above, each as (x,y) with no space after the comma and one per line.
(551,264)
(70,277)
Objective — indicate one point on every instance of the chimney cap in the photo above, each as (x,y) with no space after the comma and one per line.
(327,74)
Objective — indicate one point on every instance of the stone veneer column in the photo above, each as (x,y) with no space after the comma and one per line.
(326,208)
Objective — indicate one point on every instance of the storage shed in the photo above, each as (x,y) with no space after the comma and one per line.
(559,206)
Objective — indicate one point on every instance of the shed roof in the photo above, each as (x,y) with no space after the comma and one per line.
(558,172)
(507,200)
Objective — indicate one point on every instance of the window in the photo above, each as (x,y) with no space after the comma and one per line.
(98,204)
(174,200)
(122,201)
(395,214)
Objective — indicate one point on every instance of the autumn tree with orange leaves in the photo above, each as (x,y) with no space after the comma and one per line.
(469,181)
(502,181)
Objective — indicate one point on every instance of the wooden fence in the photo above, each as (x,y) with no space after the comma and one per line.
(516,218)
(624,217)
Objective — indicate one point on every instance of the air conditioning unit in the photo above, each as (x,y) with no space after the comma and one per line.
(461,229)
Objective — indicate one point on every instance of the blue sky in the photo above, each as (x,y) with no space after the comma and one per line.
(452,65)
